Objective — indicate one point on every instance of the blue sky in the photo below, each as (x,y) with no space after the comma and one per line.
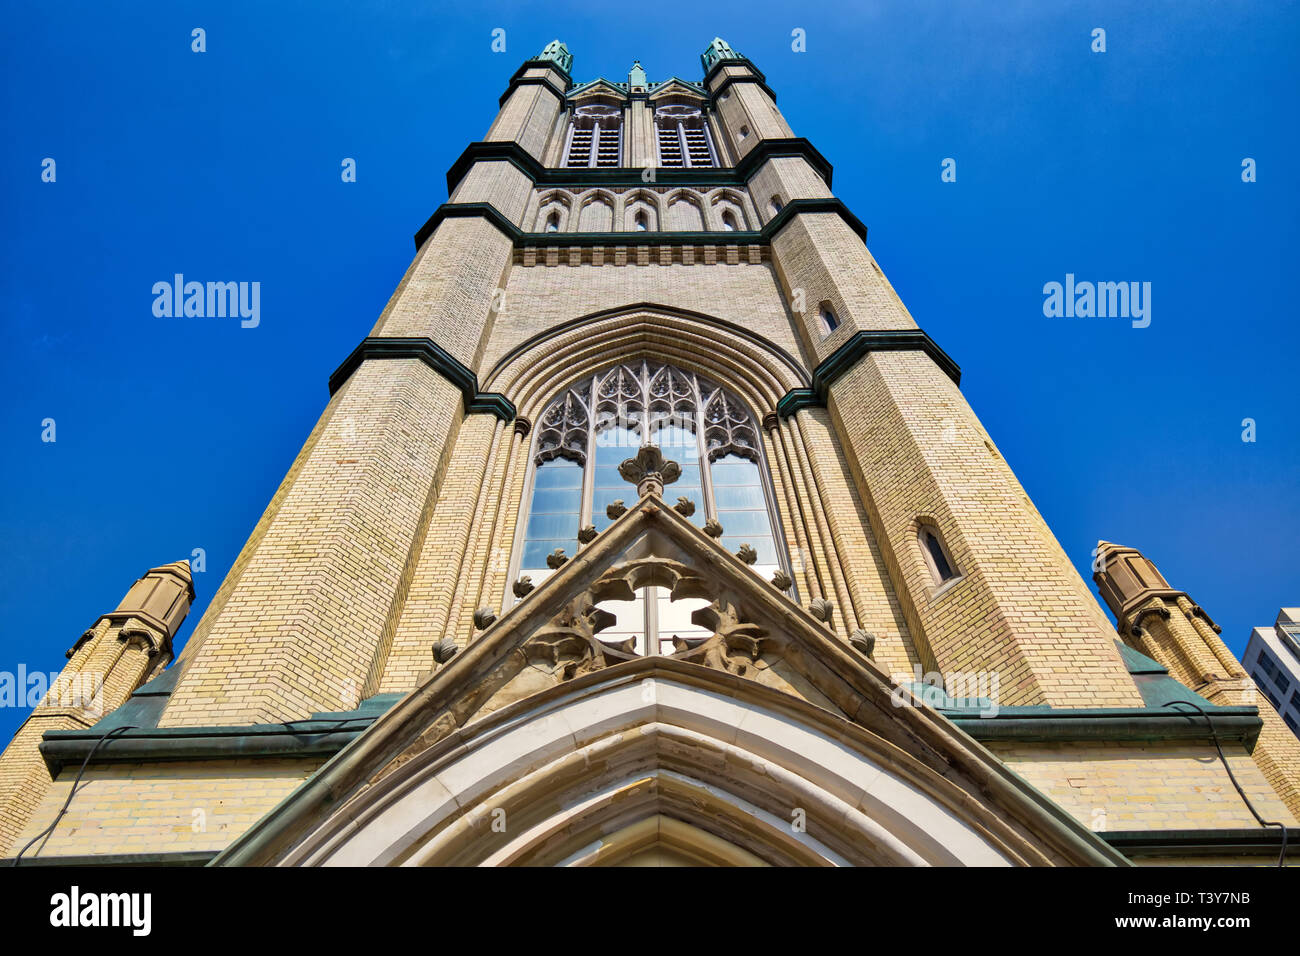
(1125,165)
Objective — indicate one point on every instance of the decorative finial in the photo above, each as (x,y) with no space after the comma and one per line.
(650,471)
(636,76)
(719,49)
(558,54)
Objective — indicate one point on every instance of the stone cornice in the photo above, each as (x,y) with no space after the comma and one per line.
(758,78)
(738,175)
(520,80)
(434,356)
(848,355)
(523,239)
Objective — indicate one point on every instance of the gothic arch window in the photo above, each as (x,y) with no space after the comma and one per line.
(595,424)
(640,211)
(552,213)
(729,220)
(827,319)
(682,137)
(775,205)
(935,553)
(595,137)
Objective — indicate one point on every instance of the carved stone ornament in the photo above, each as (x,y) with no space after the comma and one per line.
(569,643)
(555,559)
(587,534)
(444,650)
(821,609)
(650,471)
(615,509)
(863,642)
(747,554)
(712,528)
(781,581)
(484,617)
(523,585)
(684,507)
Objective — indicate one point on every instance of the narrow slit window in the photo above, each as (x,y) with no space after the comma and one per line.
(937,557)
(829,320)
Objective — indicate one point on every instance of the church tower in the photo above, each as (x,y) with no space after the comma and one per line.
(646,497)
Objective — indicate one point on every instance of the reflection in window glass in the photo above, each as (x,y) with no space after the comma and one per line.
(594,425)
(553,518)
(742,509)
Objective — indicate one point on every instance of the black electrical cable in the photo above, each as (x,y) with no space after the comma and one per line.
(49,831)
(1214,735)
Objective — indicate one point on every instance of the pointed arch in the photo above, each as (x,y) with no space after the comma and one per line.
(643,203)
(724,201)
(684,212)
(555,206)
(730,736)
(596,211)
(747,364)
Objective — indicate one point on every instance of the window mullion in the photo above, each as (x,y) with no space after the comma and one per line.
(706,475)
(589,470)
(568,144)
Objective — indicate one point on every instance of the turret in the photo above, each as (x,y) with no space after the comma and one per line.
(119,652)
(1166,624)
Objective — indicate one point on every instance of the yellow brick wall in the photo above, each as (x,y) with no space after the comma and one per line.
(170,807)
(318,599)
(1019,609)
(1140,786)
(540,297)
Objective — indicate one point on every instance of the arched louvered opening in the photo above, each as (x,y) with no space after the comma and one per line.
(682,138)
(595,137)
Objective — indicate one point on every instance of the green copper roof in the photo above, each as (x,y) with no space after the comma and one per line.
(636,75)
(624,88)
(719,49)
(558,54)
